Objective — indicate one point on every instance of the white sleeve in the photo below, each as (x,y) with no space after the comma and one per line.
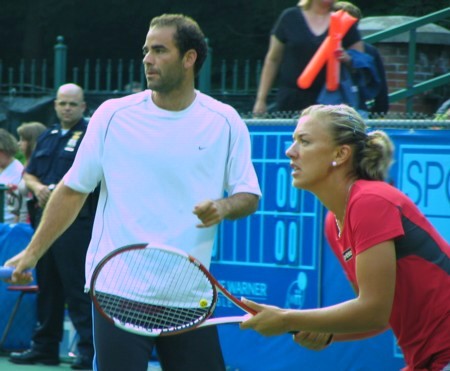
(241,175)
(86,171)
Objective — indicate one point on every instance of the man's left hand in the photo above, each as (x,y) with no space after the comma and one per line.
(209,212)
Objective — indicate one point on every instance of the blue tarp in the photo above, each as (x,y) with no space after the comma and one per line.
(12,241)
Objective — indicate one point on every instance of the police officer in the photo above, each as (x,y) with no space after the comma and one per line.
(60,273)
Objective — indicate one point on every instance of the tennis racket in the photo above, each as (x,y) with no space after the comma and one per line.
(157,291)
(6,272)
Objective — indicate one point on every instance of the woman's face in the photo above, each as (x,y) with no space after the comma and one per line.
(23,145)
(324,3)
(329,3)
(5,160)
(311,153)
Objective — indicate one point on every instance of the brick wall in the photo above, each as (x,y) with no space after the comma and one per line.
(431,61)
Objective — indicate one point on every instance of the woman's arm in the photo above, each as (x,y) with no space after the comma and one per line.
(359,336)
(344,57)
(369,311)
(320,341)
(269,72)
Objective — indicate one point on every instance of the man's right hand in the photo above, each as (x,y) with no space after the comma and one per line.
(22,262)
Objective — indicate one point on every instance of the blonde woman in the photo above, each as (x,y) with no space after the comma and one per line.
(294,39)
(10,171)
(20,196)
(28,133)
(397,262)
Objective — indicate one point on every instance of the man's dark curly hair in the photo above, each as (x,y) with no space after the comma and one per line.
(188,35)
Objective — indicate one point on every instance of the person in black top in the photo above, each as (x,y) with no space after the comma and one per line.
(295,38)
(60,273)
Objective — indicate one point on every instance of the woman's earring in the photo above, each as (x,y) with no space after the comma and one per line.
(334,163)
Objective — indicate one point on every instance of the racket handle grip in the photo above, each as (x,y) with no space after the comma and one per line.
(329,340)
(6,272)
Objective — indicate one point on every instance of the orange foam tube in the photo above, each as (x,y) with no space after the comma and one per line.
(315,64)
(340,23)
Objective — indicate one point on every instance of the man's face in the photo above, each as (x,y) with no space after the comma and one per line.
(163,64)
(69,108)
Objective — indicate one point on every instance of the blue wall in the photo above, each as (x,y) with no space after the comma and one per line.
(279,256)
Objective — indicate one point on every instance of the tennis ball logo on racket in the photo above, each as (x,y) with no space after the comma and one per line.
(203,303)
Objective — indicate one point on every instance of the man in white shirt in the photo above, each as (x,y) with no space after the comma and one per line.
(165,158)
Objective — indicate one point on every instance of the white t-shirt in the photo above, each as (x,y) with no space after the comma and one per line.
(155,166)
(10,175)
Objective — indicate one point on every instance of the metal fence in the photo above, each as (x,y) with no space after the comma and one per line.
(40,77)
(223,78)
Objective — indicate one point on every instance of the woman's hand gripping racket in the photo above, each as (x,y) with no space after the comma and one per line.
(157,291)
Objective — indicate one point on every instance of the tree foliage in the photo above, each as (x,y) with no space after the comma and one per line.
(116,28)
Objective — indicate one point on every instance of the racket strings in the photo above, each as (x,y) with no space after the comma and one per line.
(155,291)
(148,316)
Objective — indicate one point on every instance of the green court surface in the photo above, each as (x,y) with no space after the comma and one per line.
(5,365)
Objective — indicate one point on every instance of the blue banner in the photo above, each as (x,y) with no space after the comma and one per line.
(279,255)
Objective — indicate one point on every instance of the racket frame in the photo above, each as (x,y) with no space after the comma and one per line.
(205,321)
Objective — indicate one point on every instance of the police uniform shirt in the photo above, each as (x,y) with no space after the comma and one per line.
(55,152)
